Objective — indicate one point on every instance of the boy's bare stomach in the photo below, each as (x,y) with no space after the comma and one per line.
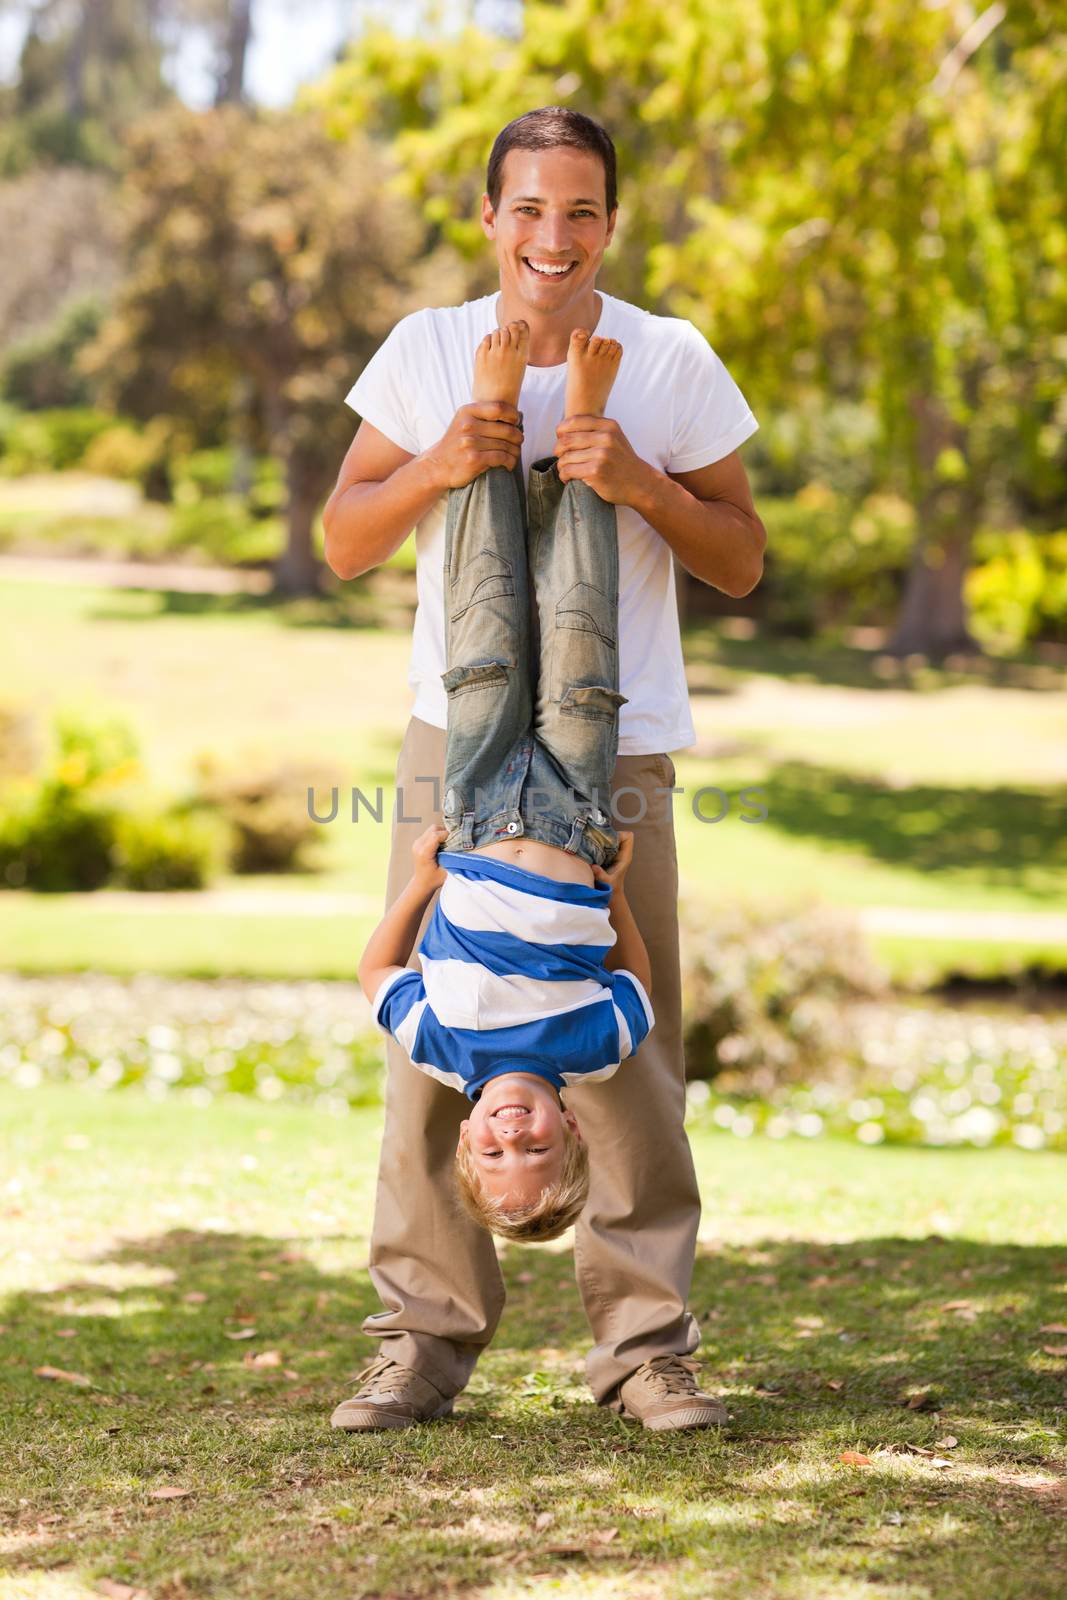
(536,856)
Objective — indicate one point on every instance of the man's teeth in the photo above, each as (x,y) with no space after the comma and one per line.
(547,269)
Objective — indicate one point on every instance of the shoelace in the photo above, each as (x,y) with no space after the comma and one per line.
(374,1382)
(672,1374)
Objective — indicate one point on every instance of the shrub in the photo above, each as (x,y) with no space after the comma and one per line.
(55,838)
(51,441)
(174,849)
(831,561)
(762,992)
(1017,588)
(43,370)
(223,530)
(268,811)
(121,451)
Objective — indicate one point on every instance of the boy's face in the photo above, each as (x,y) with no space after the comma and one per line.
(552,212)
(515,1131)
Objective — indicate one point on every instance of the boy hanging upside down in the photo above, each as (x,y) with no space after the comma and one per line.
(533,972)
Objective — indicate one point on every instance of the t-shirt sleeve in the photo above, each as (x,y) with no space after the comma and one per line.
(635,1009)
(395,998)
(711,415)
(385,392)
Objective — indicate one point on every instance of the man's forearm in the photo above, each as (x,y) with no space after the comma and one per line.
(391,942)
(629,948)
(713,539)
(367,522)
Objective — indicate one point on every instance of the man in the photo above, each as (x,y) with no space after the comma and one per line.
(666,458)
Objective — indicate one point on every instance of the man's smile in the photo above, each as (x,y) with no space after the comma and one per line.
(549,269)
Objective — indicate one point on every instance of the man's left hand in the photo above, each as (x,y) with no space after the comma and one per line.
(597,452)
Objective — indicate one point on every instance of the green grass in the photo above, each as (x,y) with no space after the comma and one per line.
(818,1266)
(936,789)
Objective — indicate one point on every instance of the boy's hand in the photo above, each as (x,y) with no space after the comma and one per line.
(615,876)
(424,854)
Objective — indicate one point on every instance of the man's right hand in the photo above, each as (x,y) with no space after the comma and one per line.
(484,434)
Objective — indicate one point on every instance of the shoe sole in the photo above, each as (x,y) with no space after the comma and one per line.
(695,1417)
(372,1420)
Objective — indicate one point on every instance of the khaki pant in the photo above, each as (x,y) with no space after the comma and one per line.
(436,1270)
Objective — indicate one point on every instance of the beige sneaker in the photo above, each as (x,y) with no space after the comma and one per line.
(663,1394)
(390,1396)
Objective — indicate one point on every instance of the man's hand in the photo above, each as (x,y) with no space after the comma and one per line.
(615,876)
(484,434)
(428,875)
(597,452)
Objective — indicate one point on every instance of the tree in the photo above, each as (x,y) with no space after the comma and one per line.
(853,199)
(260,250)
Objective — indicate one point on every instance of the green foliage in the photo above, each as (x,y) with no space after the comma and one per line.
(829,564)
(268,811)
(50,440)
(222,529)
(169,849)
(1018,589)
(42,371)
(55,837)
(763,991)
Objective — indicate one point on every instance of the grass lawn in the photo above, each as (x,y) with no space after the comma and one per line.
(831,1284)
(946,794)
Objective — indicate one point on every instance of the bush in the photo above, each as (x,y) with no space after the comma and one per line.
(43,370)
(223,530)
(830,562)
(268,812)
(50,441)
(762,993)
(169,849)
(121,451)
(1017,589)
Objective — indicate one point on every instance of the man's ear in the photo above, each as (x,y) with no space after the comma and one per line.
(488,218)
(611,227)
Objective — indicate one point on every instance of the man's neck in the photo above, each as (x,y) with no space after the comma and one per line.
(550,336)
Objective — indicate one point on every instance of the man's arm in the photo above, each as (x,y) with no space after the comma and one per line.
(707,516)
(383,491)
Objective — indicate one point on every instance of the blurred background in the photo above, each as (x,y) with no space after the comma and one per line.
(212,213)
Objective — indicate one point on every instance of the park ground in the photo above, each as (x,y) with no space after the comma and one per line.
(888,1328)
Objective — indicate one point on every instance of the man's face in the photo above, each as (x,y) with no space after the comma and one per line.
(552,214)
(515,1131)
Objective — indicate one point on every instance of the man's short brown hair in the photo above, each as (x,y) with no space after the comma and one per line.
(547,129)
(551,1214)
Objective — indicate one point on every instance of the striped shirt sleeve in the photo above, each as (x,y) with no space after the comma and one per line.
(395,999)
(633,1011)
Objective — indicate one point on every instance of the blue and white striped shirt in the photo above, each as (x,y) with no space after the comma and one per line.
(513,980)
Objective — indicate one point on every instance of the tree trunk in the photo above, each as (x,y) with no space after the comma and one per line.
(230,88)
(933,616)
(298,571)
(86,30)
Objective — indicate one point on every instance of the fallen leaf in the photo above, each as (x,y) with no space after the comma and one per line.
(195,1297)
(957,1305)
(916,1450)
(1046,1327)
(264,1358)
(268,1277)
(853,1458)
(924,1400)
(808,1322)
(66,1333)
(1055,1349)
(242,1333)
(949,1442)
(604,1535)
(835,1383)
(168,1492)
(940,1461)
(543,1519)
(63,1377)
(289,1373)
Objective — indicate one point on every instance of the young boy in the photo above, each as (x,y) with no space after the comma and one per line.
(534,974)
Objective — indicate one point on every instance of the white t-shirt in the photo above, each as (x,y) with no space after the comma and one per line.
(677,405)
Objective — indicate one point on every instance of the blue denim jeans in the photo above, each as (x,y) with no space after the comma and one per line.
(533,689)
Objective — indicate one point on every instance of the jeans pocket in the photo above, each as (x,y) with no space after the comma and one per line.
(486,576)
(479,675)
(592,700)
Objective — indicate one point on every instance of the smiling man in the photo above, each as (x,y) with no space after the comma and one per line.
(665,456)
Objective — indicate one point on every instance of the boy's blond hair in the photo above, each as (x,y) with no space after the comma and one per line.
(557,1207)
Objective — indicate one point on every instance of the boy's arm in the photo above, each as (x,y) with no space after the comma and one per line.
(390,944)
(629,948)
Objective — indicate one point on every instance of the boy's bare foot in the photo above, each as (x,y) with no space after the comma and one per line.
(499,363)
(592,363)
